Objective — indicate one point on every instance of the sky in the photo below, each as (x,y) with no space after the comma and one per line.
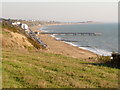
(62,11)
(60,0)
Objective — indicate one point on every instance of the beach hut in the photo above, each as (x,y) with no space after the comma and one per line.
(14,23)
(37,32)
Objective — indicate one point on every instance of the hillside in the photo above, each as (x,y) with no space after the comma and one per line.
(24,66)
(15,40)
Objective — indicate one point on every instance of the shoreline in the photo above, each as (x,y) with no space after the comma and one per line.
(60,47)
(99,52)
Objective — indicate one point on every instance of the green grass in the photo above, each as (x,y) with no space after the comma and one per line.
(22,69)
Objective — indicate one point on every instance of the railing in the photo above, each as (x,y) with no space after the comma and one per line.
(33,36)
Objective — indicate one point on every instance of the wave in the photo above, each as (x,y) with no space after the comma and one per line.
(94,50)
(71,44)
(52,35)
(44,30)
(98,51)
(58,39)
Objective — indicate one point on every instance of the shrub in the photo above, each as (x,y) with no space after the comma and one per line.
(115,61)
(104,59)
(112,62)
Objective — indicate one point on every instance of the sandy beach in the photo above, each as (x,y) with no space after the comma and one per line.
(60,47)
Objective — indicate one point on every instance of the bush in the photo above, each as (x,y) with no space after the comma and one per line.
(113,62)
(104,59)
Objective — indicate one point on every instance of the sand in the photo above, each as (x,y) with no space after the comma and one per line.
(60,47)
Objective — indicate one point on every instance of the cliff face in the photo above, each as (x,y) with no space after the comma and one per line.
(14,40)
(15,37)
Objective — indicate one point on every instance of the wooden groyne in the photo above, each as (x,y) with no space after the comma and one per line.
(70,33)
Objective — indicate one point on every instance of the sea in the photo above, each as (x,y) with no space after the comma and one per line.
(103,44)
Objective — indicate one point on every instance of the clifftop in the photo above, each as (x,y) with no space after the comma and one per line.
(14,40)
(15,37)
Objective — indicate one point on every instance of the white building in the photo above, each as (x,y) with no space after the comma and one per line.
(24,26)
(16,23)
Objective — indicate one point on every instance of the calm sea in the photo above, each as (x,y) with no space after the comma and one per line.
(104,44)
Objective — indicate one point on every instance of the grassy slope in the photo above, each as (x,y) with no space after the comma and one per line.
(35,69)
(32,69)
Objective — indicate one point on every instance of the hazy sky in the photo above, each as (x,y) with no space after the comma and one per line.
(62,11)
